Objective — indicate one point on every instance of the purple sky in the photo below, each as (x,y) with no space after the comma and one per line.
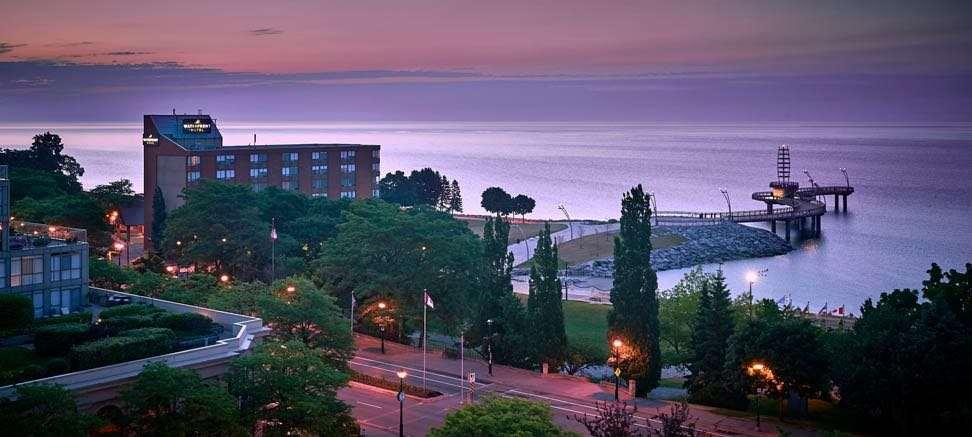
(720,60)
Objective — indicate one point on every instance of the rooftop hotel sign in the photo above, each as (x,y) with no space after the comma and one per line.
(196,126)
(149,140)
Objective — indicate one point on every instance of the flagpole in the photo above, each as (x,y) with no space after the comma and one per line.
(352,314)
(273,250)
(462,368)
(425,336)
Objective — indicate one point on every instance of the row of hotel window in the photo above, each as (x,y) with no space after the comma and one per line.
(29,270)
(60,301)
(260,158)
(347,179)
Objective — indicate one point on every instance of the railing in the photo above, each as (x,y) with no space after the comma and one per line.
(245,329)
(54,232)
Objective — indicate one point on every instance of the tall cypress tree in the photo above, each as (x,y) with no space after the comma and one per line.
(158,219)
(634,314)
(544,311)
(497,301)
(455,197)
(710,340)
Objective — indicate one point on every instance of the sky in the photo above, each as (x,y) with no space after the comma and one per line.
(426,60)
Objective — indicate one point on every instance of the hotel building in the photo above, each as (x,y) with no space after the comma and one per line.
(45,263)
(180,150)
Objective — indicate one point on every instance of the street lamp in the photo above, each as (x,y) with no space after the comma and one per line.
(118,248)
(758,369)
(617,367)
(224,278)
(489,344)
(401,402)
(381,324)
(752,277)
(846,179)
(725,193)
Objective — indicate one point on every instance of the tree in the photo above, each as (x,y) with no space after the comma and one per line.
(455,197)
(114,195)
(613,419)
(496,416)
(905,363)
(290,388)
(44,410)
(634,313)
(76,211)
(299,311)
(428,187)
(545,313)
(177,402)
(523,205)
(710,342)
(677,308)
(676,423)
(16,313)
(397,188)
(39,185)
(497,201)
(45,155)
(158,219)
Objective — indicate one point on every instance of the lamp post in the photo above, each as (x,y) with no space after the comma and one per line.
(570,224)
(617,367)
(119,246)
(489,344)
(752,277)
(846,179)
(401,402)
(758,369)
(381,324)
(725,193)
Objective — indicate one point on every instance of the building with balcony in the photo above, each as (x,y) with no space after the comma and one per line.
(48,264)
(181,150)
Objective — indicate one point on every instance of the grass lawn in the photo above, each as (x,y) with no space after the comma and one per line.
(823,415)
(587,324)
(591,247)
(518,232)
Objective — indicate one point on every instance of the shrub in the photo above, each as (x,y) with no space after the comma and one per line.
(134,309)
(78,317)
(16,312)
(57,366)
(57,339)
(377,381)
(32,371)
(115,325)
(192,323)
(132,345)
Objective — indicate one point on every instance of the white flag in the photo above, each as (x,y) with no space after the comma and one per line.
(428,300)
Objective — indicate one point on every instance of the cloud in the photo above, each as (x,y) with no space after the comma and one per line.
(266,31)
(6,47)
(126,53)
(70,44)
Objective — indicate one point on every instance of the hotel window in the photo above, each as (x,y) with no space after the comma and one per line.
(192,176)
(26,270)
(289,156)
(374,193)
(38,304)
(347,155)
(319,169)
(347,168)
(319,156)
(258,186)
(225,175)
(319,184)
(60,301)
(347,181)
(3,274)
(376,154)
(375,167)
(348,195)
(288,171)
(65,266)
(258,158)
(289,185)
(225,159)
(193,160)
(318,194)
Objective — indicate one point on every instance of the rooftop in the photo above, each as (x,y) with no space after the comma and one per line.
(27,235)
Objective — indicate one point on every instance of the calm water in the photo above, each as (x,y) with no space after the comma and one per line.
(912,205)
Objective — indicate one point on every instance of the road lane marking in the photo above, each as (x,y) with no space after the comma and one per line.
(371,405)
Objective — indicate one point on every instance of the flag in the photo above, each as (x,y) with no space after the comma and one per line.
(823,310)
(428,300)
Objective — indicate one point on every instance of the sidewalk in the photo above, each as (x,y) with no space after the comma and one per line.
(568,395)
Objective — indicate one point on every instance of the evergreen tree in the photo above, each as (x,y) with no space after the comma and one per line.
(455,197)
(710,340)
(445,194)
(544,310)
(497,301)
(634,314)
(158,219)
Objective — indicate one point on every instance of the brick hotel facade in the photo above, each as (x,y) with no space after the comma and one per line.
(180,150)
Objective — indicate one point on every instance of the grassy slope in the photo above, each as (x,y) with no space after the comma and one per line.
(518,232)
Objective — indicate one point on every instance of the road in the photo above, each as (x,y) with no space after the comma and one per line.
(377,410)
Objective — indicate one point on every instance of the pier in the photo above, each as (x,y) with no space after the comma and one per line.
(797,209)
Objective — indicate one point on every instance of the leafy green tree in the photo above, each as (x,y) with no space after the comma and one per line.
(16,313)
(455,197)
(677,308)
(45,155)
(523,205)
(382,251)
(44,410)
(496,416)
(220,229)
(545,312)
(105,274)
(299,311)
(497,201)
(37,184)
(397,188)
(177,402)
(76,211)
(159,216)
(290,388)
(429,189)
(634,313)
(510,339)
(710,342)
(114,195)
(905,363)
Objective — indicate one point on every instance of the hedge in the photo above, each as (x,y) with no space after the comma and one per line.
(191,323)
(57,339)
(133,309)
(376,381)
(115,325)
(131,345)
(78,317)
(16,312)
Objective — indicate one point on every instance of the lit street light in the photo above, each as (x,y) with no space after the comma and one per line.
(119,246)
(401,402)
(752,277)
(617,367)
(489,344)
(381,324)
(759,370)
(224,278)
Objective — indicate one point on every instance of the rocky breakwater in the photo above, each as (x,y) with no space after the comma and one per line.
(703,244)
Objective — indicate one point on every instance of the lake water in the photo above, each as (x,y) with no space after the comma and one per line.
(913,183)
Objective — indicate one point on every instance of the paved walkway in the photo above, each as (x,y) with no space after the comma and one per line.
(568,396)
(523,250)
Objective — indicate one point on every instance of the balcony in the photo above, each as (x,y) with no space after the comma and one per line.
(26,235)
